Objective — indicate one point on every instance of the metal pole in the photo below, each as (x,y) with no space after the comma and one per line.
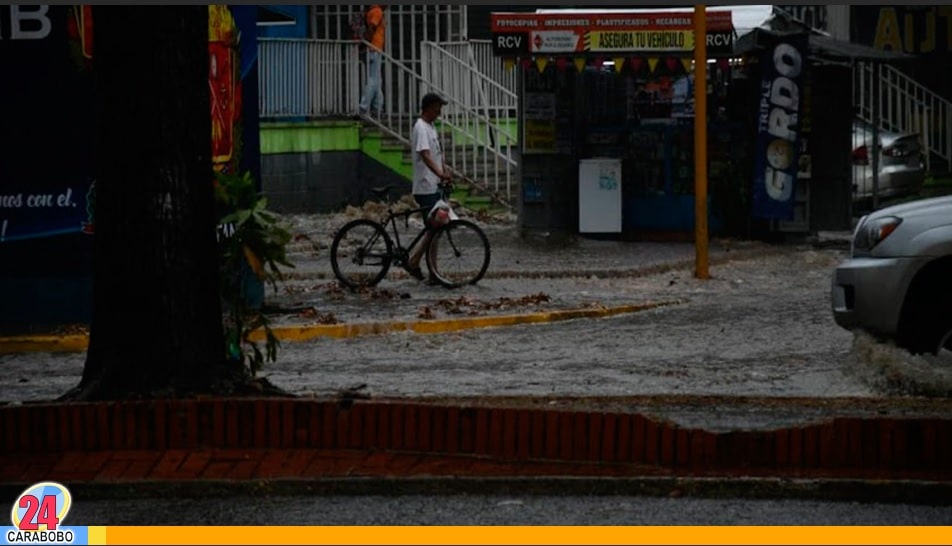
(700,142)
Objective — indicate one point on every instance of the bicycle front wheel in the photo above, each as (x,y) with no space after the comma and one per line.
(361,254)
(459,254)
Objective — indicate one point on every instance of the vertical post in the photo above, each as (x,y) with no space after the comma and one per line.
(700,142)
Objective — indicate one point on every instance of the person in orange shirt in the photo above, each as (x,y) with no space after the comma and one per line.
(375,34)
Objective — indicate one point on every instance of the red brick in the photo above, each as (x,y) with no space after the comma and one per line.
(593,438)
(176,421)
(855,447)
(830,446)
(509,431)
(552,430)
(795,447)
(342,426)
(651,441)
(328,425)
(243,470)
(51,428)
(537,442)
(140,426)
(369,431)
(411,432)
(91,436)
(566,435)
(11,471)
(272,463)
(439,418)
(194,464)
(453,430)
(168,464)
(523,434)
(481,441)
(191,424)
(930,444)
(683,447)
(9,419)
(76,427)
(160,439)
(315,425)
(259,424)
(494,435)
(139,470)
(467,430)
(425,427)
(217,470)
(113,470)
(811,446)
(24,427)
(668,444)
(287,423)
(135,455)
(229,416)
(580,432)
(298,461)
(64,426)
(698,460)
(608,449)
(358,421)
(302,425)
(944,444)
(273,418)
(397,422)
(383,426)
(626,441)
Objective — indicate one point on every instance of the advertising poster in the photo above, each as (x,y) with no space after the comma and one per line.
(777,145)
(47,170)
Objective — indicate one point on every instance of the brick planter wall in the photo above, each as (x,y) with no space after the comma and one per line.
(274,438)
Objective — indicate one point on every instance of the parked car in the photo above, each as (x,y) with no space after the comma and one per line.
(901,167)
(897,283)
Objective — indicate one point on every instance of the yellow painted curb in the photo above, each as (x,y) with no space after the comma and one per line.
(79,342)
(305,333)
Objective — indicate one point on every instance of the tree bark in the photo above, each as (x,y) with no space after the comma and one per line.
(156,326)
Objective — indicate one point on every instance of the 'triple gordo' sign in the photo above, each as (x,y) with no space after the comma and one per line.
(778,129)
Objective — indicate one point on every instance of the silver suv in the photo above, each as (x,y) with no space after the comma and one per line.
(897,283)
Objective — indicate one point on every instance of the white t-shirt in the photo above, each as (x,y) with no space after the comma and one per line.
(424,137)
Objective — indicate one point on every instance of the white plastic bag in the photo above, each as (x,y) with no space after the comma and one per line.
(441,213)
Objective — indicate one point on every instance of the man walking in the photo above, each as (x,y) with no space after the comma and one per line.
(375,34)
(428,169)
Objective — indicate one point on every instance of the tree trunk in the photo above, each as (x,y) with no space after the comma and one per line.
(156,324)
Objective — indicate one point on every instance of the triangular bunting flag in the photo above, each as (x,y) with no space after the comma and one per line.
(686,62)
(671,62)
(580,63)
(526,63)
(541,62)
(508,64)
(652,63)
(723,64)
(561,64)
(619,63)
(636,63)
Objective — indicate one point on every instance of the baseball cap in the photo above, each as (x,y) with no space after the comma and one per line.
(429,99)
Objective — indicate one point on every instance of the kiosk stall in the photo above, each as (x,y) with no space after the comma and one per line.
(606,120)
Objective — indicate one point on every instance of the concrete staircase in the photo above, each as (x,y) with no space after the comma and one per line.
(476,164)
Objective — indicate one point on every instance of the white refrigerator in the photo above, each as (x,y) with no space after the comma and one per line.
(599,195)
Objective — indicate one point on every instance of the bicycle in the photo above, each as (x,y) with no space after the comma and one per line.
(362,251)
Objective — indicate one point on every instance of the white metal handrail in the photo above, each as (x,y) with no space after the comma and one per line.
(470,71)
(905,106)
(307,79)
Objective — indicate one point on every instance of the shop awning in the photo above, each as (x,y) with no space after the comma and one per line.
(821,46)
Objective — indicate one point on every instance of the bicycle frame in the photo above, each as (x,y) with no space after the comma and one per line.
(391,220)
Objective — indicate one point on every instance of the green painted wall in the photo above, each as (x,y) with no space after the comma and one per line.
(313,136)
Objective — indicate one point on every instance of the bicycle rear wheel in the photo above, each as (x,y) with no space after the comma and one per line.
(461,254)
(361,254)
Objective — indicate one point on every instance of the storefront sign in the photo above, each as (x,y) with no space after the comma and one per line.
(518,33)
(778,130)
(649,40)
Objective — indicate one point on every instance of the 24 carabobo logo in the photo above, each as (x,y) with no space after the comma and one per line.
(42,507)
